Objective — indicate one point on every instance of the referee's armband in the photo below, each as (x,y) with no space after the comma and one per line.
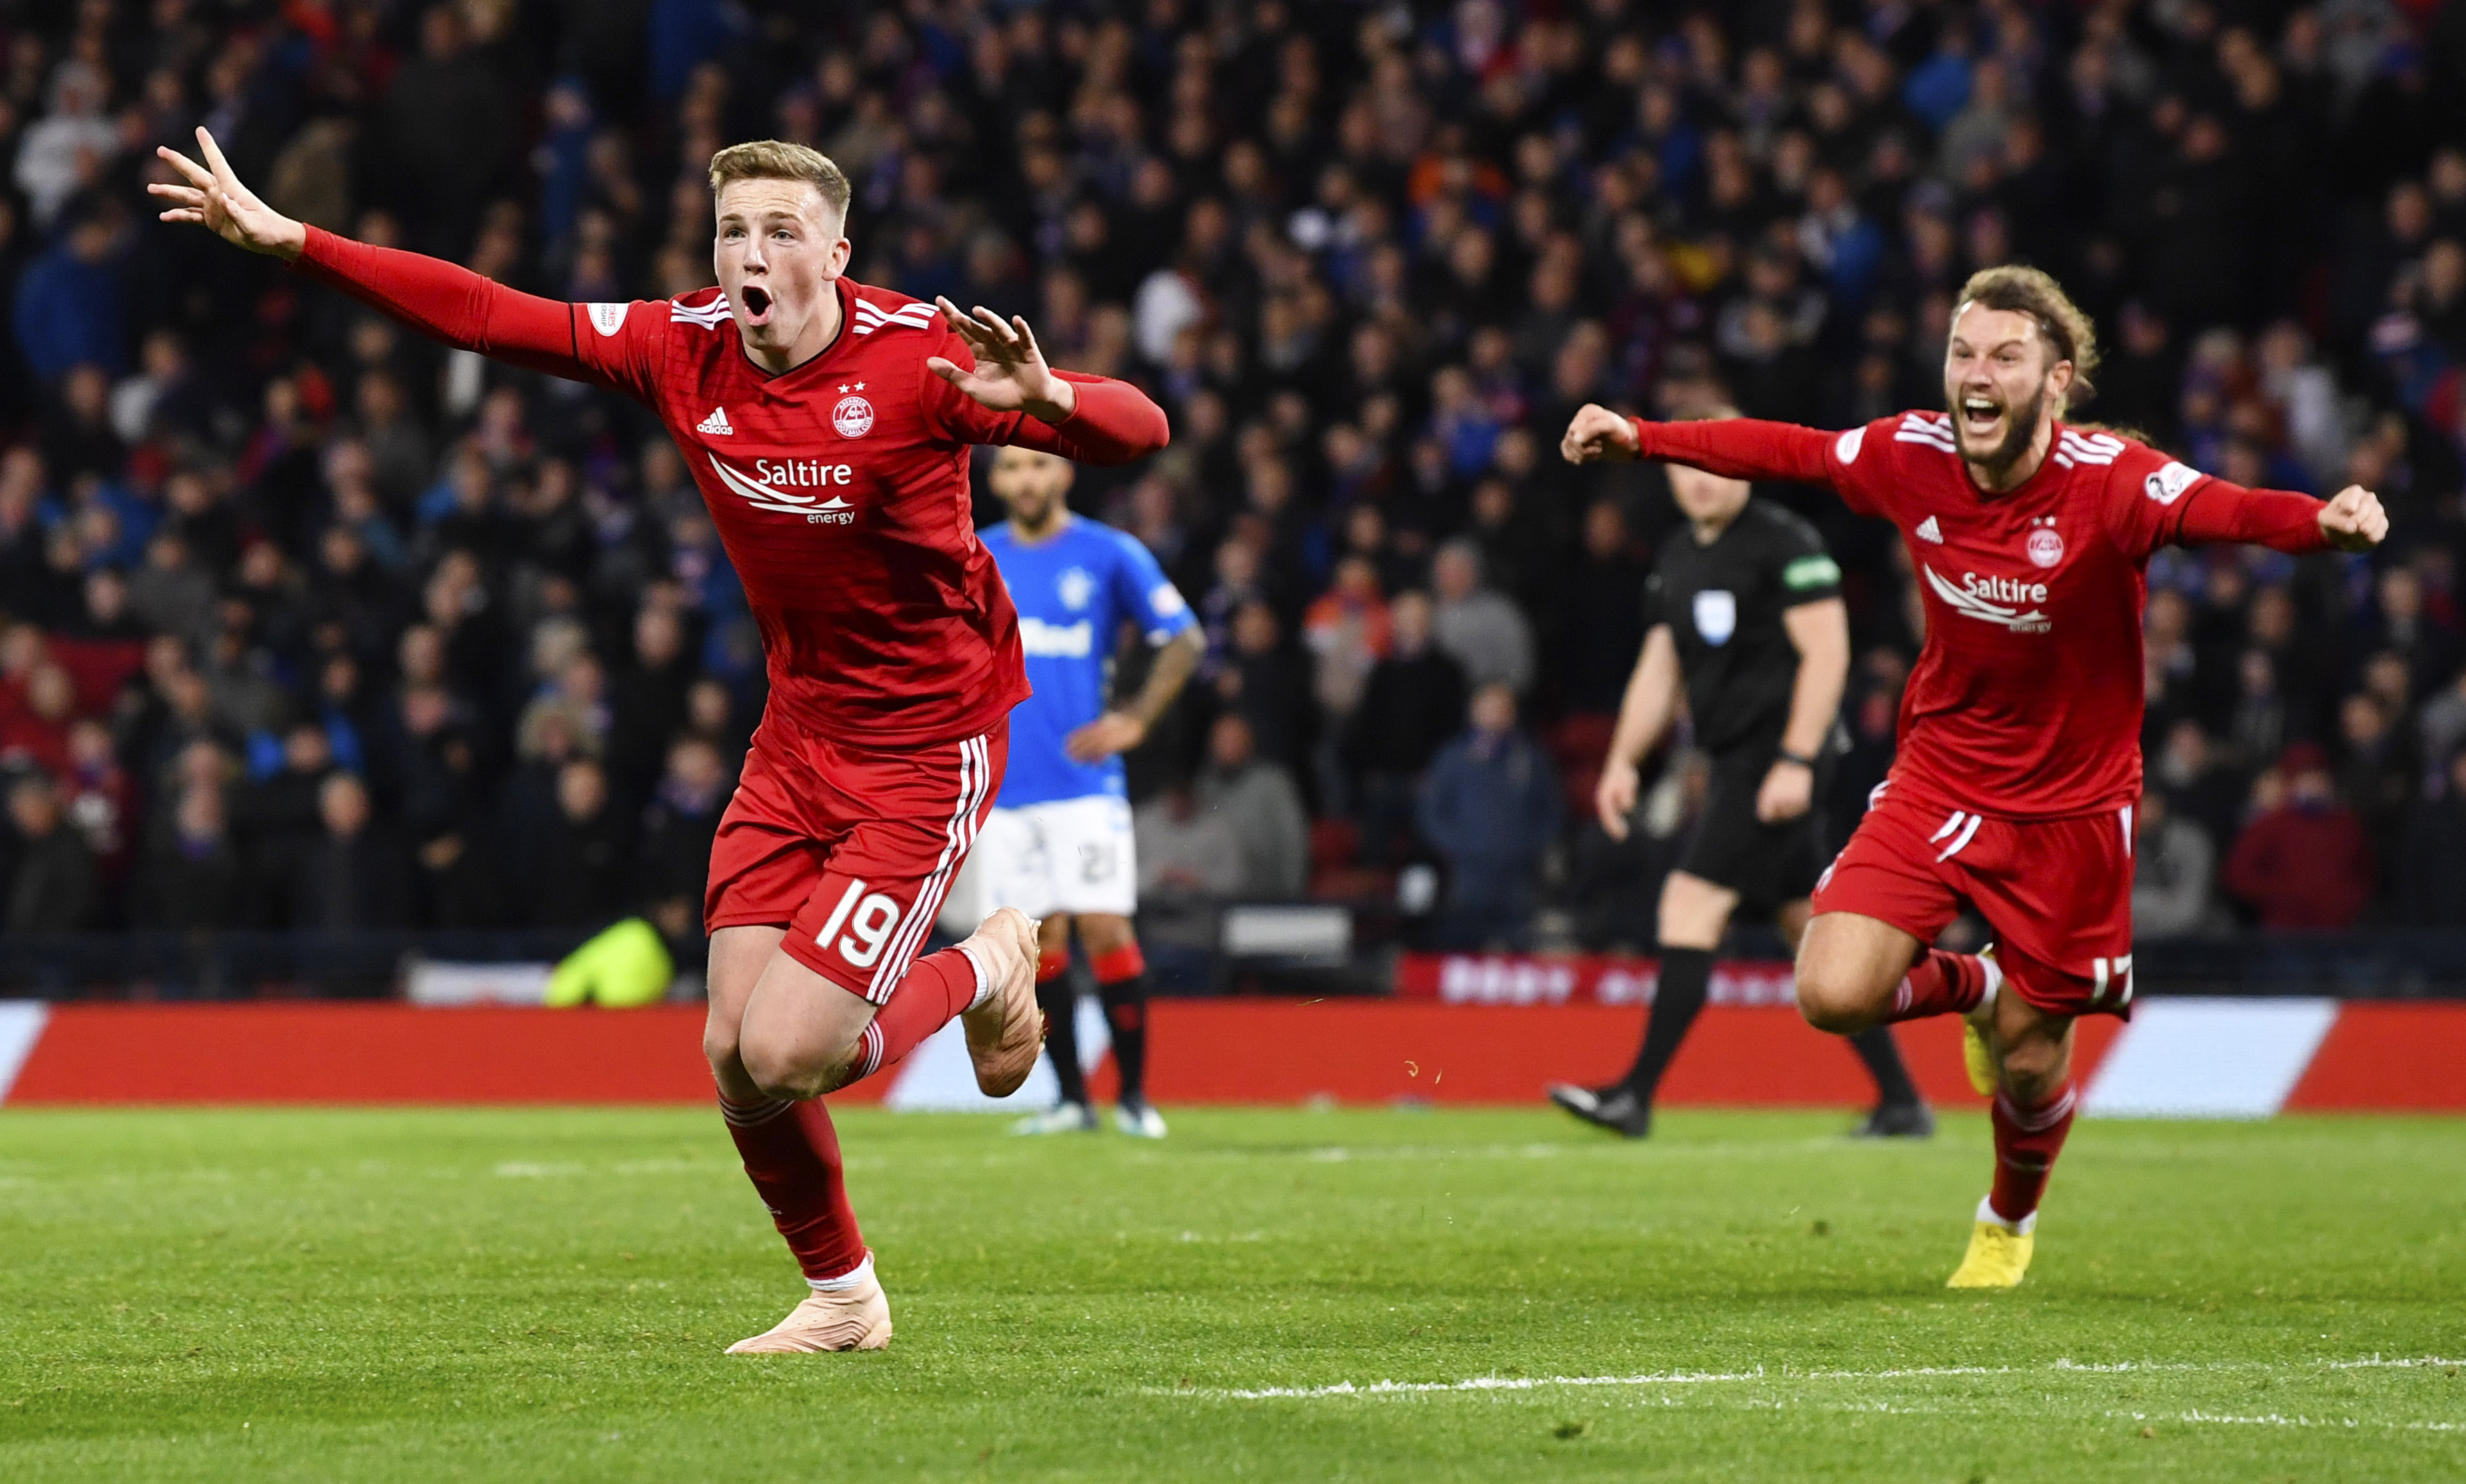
(1815,570)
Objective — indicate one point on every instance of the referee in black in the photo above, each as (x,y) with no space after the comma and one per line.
(1745,605)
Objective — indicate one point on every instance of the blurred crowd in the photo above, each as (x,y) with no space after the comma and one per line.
(310,623)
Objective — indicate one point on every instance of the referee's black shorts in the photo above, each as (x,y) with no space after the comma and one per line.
(1766,865)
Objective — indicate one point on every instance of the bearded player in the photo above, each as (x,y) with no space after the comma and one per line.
(2020,756)
(828,425)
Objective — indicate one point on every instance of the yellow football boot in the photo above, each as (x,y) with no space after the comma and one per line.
(1998,1257)
(1977,1051)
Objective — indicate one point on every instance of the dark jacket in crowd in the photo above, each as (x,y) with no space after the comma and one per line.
(2431,882)
(191,884)
(582,871)
(1410,706)
(355,882)
(54,888)
(1490,807)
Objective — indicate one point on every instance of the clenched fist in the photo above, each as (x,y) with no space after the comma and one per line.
(1597,433)
(2352,521)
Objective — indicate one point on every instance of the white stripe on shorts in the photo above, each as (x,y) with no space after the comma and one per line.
(1959,842)
(975,770)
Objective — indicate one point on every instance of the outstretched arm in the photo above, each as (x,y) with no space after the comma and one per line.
(2353,521)
(1738,448)
(1093,420)
(451,304)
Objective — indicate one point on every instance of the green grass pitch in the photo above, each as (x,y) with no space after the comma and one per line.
(544,1296)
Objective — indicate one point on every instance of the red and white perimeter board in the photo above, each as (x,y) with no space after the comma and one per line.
(1473,1030)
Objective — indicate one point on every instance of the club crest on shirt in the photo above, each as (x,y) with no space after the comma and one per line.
(853,416)
(1075,588)
(1716,614)
(2045,545)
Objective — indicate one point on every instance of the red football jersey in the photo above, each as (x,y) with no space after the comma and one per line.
(839,488)
(841,491)
(2027,700)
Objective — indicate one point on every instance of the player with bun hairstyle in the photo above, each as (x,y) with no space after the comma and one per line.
(2020,729)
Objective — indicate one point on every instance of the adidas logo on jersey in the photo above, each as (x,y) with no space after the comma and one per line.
(1929,531)
(717,424)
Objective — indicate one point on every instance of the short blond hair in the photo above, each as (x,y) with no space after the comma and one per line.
(777,159)
(2018,289)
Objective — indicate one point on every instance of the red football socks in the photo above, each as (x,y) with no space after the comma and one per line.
(792,1155)
(1941,983)
(937,989)
(2027,1141)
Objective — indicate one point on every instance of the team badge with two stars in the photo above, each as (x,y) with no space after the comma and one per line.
(853,416)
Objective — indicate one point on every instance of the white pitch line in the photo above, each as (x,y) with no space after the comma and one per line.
(1385,1389)
(2280,1420)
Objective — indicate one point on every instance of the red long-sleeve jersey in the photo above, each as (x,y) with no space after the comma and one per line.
(839,488)
(2026,702)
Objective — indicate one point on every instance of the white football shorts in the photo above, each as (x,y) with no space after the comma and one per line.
(1071,855)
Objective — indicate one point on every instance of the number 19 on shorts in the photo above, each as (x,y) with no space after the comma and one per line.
(869,917)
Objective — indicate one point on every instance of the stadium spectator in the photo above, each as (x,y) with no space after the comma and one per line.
(69,302)
(52,882)
(1411,704)
(586,851)
(2431,860)
(1478,627)
(1490,807)
(280,817)
(2304,862)
(192,875)
(677,830)
(1260,806)
(2173,863)
(354,877)
(1187,855)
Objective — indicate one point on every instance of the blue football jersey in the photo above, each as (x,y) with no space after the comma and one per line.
(1073,593)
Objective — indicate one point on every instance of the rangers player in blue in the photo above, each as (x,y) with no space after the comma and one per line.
(1058,843)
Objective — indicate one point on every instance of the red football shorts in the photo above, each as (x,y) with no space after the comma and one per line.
(853,849)
(2058,893)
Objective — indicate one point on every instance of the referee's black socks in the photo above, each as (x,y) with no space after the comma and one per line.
(1882,1054)
(1676,1001)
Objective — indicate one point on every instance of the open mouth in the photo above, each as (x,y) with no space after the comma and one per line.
(758,305)
(1979,418)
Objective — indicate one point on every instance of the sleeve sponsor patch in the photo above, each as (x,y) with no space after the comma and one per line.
(608,319)
(1845,447)
(1814,571)
(2168,484)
